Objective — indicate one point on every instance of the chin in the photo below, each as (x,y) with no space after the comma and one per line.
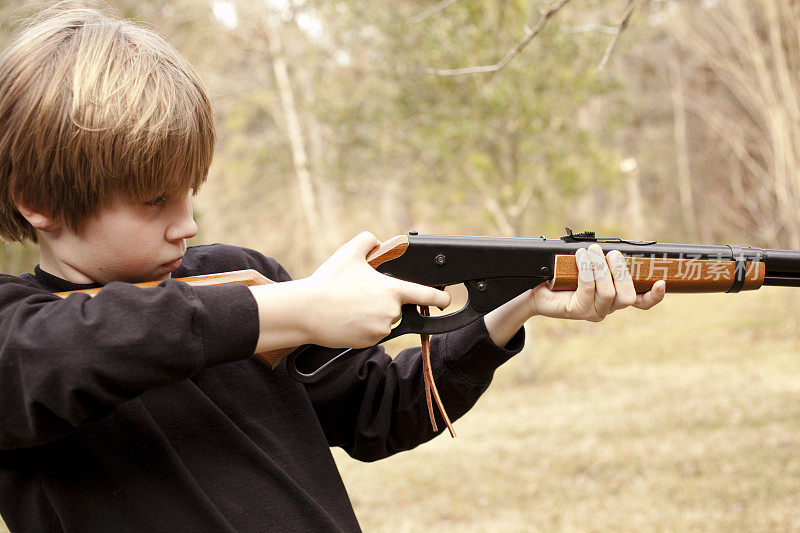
(146,278)
(158,277)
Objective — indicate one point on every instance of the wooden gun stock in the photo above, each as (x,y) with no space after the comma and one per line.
(388,250)
(249,277)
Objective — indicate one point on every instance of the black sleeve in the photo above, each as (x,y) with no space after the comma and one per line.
(64,363)
(375,406)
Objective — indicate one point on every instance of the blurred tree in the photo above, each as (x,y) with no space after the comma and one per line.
(513,148)
(745,91)
(712,89)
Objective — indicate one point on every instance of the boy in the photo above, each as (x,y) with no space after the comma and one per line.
(142,409)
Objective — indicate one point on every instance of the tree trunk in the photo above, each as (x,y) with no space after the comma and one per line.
(294,132)
(635,215)
(681,148)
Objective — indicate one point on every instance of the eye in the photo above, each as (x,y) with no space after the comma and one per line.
(157,202)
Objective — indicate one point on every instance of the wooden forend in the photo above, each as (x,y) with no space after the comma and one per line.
(681,275)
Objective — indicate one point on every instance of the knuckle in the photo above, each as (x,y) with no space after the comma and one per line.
(378,331)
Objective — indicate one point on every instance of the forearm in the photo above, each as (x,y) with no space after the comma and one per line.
(281,315)
(66,362)
(505,321)
(374,405)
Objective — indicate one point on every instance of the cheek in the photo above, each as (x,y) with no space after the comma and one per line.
(132,245)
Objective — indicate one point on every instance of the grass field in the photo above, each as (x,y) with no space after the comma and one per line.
(686,417)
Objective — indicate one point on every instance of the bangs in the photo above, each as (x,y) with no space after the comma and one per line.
(173,160)
(147,116)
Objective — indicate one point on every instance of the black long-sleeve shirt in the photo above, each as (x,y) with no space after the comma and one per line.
(142,410)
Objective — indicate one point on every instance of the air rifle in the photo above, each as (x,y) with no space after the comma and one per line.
(497,269)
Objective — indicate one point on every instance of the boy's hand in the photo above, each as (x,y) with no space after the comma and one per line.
(604,286)
(345,303)
(359,303)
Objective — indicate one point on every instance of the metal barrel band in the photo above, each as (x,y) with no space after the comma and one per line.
(742,257)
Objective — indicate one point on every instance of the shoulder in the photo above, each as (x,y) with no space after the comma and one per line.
(18,288)
(214,258)
(24,282)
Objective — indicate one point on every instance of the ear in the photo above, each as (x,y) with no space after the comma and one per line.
(39,221)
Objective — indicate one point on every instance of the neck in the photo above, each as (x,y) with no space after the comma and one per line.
(49,262)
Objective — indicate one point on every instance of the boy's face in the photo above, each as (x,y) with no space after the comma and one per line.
(126,241)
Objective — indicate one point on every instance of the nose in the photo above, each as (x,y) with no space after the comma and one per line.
(182,225)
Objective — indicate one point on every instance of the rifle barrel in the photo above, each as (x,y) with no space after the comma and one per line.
(782,268)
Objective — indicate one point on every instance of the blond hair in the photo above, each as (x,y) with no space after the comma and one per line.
(91,108)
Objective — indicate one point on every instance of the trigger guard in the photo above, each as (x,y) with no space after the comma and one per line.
(413,322)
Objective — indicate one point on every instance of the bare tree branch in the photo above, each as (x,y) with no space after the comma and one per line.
(511,53)
(428,13)
(491,204)
(623,23)
(592,28)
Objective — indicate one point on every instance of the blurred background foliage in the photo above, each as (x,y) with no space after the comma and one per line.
(330,122)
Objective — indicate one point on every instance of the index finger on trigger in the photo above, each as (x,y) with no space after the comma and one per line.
(414,293)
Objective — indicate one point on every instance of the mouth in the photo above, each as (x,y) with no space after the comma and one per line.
(172,265)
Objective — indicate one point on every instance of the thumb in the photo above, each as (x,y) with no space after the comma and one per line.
(362,244)
(358,247)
